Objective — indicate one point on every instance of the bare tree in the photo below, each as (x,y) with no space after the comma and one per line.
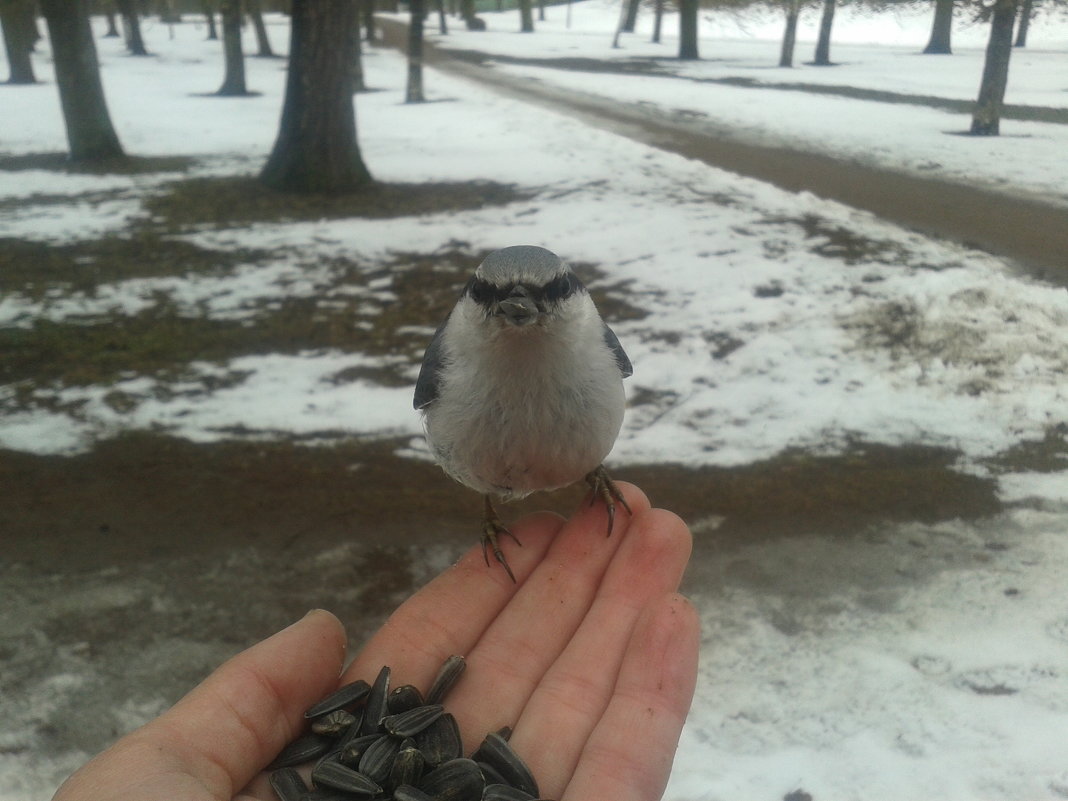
(822,57)
(941,29)
(443,25)
(414,93)
(792,9)
(255,12)
(131,25)
(526,17)
(209,15)
(986,118)
(367,9)
(1026,10)
(658,20)
(16,18)
(688,29)
(631,18)
(234,77)
(90,134)
(109,15)
(316,149)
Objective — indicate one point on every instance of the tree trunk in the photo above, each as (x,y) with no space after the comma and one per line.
(358,84)
(234,79)
(131,24)
(369,19)
(262,42)
(658,19)
(414,93)
(987,115)
(941,29)
(18,39)
(113,29)
(526,17)
(167,14)
(688,30)
(316,149)
(789,37)
(443,26)
(89,131)
(823,43)
(209,14)
(1025,23)
(632,16)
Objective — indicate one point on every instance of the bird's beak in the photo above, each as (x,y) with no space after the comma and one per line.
(518,308)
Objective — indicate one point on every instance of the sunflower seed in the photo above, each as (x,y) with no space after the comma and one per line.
(447,676)
(497,752)
(288,785)
(413,721)
(440,741)
(503,792)
(407,792)
(303,749)
(375,709)
(405,697)
(456,780)
(407,767)
(338,777)
(351,752)
(377,760)
(333,724)
(340,698)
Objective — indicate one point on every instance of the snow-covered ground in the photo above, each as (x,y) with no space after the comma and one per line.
(914,661)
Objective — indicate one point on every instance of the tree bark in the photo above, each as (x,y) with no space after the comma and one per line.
(941,29)
(632,16)
(18,39)
(688,30)
(262,42)
(131,24)
(823,43)
(209,14)
(90,134)
(789,37)
(986,118)
(526,17)
(316,149)
(1025,23)
(414,93)
(234,78)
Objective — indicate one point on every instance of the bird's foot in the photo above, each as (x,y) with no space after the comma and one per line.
(492,530)
(605,488)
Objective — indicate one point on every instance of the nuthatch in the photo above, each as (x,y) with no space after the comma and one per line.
(521,388)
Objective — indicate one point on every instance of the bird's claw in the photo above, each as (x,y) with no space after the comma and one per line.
(604,488)
(492,529)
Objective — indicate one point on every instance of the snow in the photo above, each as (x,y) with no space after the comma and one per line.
(851,667)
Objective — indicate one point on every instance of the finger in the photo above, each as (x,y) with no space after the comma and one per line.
(450,614)
(235,722)
(535,627)
(572,697)
(628,756)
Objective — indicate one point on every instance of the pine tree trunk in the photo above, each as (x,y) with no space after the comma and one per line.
(89,131)
(1025,23)
(132,28)
(941,29)
(316,149)
(234,78)
(18,40)
(688,30)
(414,93)
(823,43)
(262,42)
(789,37)
(526,17)
(986,118)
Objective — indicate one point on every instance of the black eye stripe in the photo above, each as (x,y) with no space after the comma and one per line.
(483,292)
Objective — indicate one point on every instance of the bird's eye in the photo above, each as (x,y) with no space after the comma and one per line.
(559,288)
(480,292)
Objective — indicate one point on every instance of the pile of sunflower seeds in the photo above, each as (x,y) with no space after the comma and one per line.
(377,744)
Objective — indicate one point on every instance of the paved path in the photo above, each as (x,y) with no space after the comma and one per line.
(1028,231)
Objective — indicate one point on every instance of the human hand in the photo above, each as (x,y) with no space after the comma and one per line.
(591,657)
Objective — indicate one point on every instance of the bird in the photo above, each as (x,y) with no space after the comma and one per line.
(521,387)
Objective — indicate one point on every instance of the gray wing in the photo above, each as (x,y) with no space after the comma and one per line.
(622,361)
(429,380)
